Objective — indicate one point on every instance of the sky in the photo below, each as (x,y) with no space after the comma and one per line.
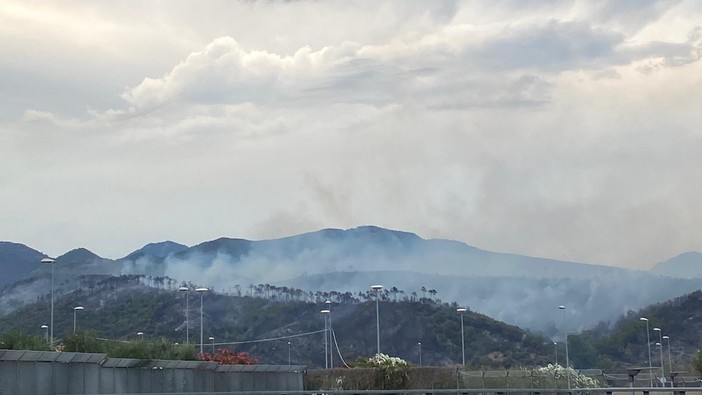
(560,129)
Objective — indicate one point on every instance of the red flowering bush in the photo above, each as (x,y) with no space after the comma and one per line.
(227,357)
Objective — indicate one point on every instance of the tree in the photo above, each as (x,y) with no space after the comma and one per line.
(433,293)
(394,291)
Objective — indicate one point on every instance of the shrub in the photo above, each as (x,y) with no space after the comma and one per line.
(559,373)
(390,372)
(21,341)
(227,357)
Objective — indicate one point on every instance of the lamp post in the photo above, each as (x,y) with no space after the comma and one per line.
(140,335)
(565,330)
(660,344)
(376,289)
(46,332)
(555,351)
(660,349)
(326,353)
(201,291)
(670,360)
(49,261)
(460,311)
(648,343)
(419,346)
(75,311)
(331,336)
(211,339)
(289,354)
(186,290)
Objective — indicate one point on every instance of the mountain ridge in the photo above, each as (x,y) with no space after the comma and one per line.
(514,288)
(17,261)
(685,265)
(159,249)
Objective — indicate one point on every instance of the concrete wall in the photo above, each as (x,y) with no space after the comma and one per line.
(30,375)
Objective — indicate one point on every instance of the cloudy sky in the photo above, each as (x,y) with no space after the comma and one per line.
(562,129)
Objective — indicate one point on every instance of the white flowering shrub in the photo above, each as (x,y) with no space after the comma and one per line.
(381,360)
(560,373)
(390,372)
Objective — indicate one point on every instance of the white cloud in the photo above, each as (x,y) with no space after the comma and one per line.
(224,72)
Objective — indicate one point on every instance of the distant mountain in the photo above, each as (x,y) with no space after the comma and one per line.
(17,261)
(370,248)
(521,290)
(517,289)
(686,265)
(68,269)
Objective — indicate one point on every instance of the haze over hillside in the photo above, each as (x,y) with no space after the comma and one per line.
(520,290)
(685,265)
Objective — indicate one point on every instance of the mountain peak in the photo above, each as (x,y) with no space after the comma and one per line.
(383,234)
(159,250)
(686,265)
(17,261)
(78,255)
(233,247)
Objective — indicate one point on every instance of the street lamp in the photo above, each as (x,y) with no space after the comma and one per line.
(670,360)
(376,289)
(419,346)
(565,330)
(660,344)
(211,338)
(660,349)
(555,351)
(75,311)
(326,353)
(648,343)
(331,336)
(49,261)
(460,311)
(140,335)
(46,332)
(186,290)
(201,291)
(289,354)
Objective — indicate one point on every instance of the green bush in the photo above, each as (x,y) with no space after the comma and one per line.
(14,340)
(83,341)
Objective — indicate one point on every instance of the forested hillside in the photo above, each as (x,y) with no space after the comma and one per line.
(625,342)
(119,307)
